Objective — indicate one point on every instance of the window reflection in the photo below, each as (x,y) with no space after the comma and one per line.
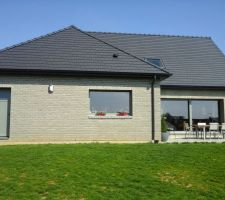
(204,111)
(175,112)
(110,101)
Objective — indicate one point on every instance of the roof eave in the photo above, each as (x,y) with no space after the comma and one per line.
(193,87)
(161,76)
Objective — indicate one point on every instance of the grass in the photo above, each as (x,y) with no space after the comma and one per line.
(113,171)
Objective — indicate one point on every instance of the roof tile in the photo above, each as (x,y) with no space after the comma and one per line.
(73,50)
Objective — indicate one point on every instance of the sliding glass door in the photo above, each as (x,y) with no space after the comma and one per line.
(176,112)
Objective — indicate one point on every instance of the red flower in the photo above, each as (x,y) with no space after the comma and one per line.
(122,114)
(100,114)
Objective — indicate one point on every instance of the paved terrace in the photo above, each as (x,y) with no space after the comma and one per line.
(180,138)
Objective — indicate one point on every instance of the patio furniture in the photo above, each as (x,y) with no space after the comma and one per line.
(172,132)
(222,130)
(213,129)
(201,128)
(188,130)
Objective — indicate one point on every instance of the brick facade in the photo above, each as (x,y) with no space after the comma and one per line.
(64,115)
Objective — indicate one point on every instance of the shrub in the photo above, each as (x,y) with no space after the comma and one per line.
(164,126)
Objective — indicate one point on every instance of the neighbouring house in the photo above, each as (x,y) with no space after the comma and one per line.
(73,85)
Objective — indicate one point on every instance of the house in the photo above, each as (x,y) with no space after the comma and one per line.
(73,85)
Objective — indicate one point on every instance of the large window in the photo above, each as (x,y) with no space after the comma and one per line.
(205,111)
(112,102)
(175,112)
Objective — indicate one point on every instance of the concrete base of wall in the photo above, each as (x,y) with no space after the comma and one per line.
(72,142)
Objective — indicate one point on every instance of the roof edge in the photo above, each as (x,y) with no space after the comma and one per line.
(36,38)
(193,87)
(82,73)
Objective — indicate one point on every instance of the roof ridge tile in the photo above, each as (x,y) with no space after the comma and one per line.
(149,34)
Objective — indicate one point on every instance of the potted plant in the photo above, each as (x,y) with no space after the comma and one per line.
(122,114)
(100,114)
(164,128)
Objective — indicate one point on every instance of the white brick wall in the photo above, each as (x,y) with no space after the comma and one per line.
(37,115)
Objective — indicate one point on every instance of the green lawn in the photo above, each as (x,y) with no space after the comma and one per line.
(112,171)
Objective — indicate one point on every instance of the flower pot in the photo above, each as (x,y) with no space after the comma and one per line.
(165,136)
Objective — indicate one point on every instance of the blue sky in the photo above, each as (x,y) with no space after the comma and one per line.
(26,19)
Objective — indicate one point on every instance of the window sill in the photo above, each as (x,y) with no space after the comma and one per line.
(4,138)
(109,117)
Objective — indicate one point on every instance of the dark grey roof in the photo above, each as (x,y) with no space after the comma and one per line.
(193,61)
(73,50)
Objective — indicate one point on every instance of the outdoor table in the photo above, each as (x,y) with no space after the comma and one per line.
(203,127)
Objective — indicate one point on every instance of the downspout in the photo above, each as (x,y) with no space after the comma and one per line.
(153,107)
